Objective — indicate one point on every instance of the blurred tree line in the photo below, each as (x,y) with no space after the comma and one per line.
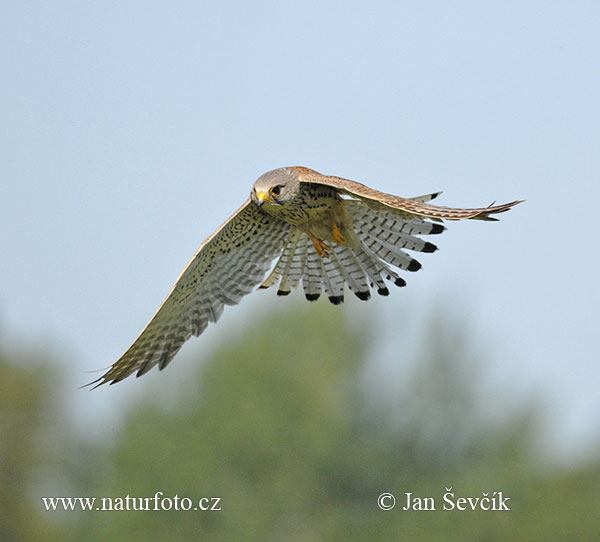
(281,426)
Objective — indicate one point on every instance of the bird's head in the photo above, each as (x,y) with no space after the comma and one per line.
(275,188)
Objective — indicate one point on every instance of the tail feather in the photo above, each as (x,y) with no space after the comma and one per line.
(388,272)
(340,264)
(290,267)
(371,220)
(383,237)
(398,240)
(312,279)
(297,264)
(391,254)
(372,267)
(354,272)
(333,280)
(426,197)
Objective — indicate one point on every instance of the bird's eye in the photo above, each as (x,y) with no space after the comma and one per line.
(276,190)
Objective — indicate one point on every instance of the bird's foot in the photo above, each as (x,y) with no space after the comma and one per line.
(338,236)
(321,247)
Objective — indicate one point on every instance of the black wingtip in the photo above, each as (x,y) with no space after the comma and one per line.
(144,368)
(400,282)
(363,295)
(429,247)
(283,292)
(414,265)
(312,297)
(383,291)
(437,228)
(336,299)
(97,382)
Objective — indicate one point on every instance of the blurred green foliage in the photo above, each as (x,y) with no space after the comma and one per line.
(282,428)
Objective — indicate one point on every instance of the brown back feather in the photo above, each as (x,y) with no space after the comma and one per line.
(377,199)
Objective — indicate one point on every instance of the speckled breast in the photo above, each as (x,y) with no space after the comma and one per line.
(312,203)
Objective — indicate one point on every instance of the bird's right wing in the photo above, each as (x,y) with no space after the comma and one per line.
(226,267)
(415,207)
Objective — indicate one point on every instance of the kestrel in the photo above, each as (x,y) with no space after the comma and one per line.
(326,231)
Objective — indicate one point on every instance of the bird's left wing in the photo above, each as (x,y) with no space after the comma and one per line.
(226,267)
(398,205)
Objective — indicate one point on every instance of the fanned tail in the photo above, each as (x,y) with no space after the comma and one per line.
(383,241)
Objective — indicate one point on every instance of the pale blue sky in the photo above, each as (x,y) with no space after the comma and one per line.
(132,129)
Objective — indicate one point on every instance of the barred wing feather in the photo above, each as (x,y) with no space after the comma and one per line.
(226,267)
(384,237)
(402,206)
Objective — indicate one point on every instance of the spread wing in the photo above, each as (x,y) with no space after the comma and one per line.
(226,267)
(402,206)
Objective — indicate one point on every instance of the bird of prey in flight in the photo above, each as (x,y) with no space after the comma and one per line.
(325,231)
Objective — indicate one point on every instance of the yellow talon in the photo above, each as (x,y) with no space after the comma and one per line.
(338,236)
(321,247)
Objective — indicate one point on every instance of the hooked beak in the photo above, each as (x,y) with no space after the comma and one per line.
(261,197)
